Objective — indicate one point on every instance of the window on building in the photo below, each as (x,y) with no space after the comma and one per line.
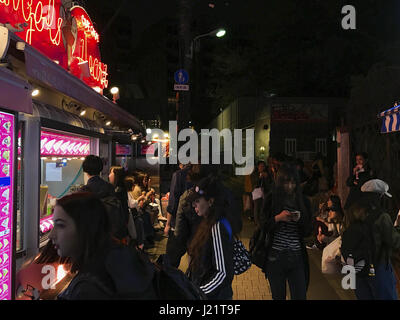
(290,147)
(320,146)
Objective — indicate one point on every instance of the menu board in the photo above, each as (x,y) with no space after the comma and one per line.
(6,203)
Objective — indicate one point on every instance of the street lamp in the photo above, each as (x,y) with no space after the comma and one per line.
(219,33)
(115,92)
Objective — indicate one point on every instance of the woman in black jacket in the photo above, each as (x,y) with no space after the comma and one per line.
(287,217)
(211,249)
(104,269)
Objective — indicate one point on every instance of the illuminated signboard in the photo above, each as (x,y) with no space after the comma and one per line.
(54,144)
(123,150)
(86,49)
(6,203)
(67,37)
(43,25)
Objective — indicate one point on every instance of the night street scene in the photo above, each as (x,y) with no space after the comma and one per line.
(199,150)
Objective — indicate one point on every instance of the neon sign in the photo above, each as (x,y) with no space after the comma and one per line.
(86,49)
(66,37)
(54,144)
(38,16)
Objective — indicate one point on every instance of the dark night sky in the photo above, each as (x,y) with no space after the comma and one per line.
(295,47)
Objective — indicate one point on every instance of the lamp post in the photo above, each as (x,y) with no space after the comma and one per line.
(219,33)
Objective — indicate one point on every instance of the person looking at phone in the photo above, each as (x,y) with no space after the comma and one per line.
(288,222)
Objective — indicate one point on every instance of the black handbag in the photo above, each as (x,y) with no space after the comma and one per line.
(258,247)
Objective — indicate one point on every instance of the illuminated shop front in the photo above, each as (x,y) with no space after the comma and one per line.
(52,114)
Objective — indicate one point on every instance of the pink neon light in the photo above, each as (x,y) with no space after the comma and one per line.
(54,144)
(46,224)
(7,125)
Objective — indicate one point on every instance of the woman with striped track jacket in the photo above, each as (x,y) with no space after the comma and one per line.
(211,249)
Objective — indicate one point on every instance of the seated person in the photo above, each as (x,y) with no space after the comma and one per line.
(328,224)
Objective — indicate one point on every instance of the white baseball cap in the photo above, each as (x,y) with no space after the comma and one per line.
(377,186)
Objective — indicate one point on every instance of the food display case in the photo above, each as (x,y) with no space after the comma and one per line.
(61,155)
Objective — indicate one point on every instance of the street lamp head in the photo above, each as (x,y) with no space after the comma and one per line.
(114,90)
(220,33)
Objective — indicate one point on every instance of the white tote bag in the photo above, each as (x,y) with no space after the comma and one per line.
(329,264)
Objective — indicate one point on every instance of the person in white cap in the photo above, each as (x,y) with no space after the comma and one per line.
(376,186)
(380,282)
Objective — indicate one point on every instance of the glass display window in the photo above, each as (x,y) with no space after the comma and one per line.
(62,156)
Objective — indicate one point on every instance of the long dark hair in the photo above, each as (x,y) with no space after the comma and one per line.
(119,176)
(139,177)
(337,207)
(130,183)
(203,232)
(92,225)
(287,172)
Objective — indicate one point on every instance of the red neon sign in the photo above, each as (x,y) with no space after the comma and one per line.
(86,49)
(43,24)
(67,37)
(38,16)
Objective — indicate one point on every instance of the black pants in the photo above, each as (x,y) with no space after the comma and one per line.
(287,266)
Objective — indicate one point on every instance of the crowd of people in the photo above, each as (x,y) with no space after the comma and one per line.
(301,209)
(102,231)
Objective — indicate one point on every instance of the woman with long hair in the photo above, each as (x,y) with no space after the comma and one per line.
(82,233)
(329,228)
(117,179)
(135,221)
(211,249)
(288,222)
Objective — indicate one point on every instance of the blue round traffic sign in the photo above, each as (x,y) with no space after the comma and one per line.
(181,76)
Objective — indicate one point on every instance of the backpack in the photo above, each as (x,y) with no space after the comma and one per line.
(117,216)
(358,246)
(172,284)
(241,257)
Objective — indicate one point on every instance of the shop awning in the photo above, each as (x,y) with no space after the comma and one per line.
(48,112)
(15,93)
(44,70)
(390,119)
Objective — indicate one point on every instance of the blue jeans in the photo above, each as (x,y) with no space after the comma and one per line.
(285,266)
(380,287)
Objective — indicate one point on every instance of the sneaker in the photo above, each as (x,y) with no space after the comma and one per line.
(313,247)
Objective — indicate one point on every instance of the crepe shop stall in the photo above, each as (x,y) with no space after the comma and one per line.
(52,114)
(61,155)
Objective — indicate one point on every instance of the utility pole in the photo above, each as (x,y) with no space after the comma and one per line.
(185,19)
